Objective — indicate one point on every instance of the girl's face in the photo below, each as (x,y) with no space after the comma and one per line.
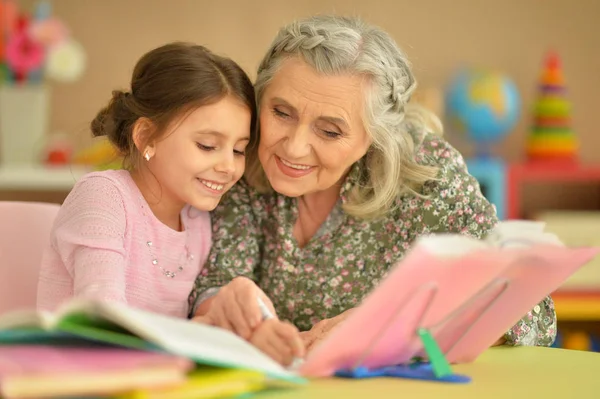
(202,155)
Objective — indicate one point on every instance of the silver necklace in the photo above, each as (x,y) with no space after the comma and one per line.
(150,245)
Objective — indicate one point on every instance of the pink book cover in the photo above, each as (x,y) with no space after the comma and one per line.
(57,360)
(422,288)
(468,301)
(533,274)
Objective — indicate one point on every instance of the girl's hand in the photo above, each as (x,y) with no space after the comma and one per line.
(235,307)
(280,340)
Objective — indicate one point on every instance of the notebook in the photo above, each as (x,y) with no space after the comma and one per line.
(37,371)
(467,292)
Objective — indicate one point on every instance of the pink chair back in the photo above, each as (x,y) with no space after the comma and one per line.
(24,234)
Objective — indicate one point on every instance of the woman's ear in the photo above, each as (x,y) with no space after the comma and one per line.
(142,134)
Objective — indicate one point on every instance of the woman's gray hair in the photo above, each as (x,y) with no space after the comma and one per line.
(335,45)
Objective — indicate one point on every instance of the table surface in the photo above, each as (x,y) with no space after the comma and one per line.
(520,372)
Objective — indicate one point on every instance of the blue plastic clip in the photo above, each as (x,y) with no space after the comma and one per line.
(423,371)
(437,370)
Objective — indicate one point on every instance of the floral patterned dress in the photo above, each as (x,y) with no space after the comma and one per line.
(347,257)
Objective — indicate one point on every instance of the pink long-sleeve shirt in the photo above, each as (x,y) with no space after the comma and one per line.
(106,244)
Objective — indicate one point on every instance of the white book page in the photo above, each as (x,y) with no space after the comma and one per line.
(186,338)
(520,234)
(450,245)
(511,234)
(26,318)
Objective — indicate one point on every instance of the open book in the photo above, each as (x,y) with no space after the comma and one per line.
(121,325)
(467,293)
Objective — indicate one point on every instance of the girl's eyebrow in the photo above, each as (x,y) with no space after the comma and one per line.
(217,134)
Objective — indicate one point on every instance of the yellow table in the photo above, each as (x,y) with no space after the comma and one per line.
(503,372)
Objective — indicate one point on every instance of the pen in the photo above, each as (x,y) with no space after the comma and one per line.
(264,310)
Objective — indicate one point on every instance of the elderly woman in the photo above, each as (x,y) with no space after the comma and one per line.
(345,177)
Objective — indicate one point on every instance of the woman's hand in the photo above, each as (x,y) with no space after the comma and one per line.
(235,307)
(322,329)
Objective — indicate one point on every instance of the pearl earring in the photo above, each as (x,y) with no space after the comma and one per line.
(147,156)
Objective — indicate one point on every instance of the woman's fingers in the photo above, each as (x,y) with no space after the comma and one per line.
(308,337)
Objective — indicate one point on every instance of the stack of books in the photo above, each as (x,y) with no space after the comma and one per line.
(90,349)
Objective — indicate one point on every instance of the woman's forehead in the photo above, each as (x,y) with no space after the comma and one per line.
(299,85)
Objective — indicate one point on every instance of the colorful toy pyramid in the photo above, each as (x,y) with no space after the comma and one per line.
(551,137)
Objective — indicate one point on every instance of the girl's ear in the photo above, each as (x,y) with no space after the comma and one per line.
(142,133)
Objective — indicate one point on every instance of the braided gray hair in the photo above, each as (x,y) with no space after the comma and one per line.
(335,45)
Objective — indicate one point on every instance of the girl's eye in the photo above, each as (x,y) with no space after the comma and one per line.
(204,147)
(239,153)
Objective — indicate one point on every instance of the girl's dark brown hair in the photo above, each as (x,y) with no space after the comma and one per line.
(167,82)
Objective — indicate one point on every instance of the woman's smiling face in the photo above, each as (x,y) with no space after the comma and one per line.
(312,128)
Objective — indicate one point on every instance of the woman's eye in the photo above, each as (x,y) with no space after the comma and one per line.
(331,134)
(280,114)
(240,153)
(204,147)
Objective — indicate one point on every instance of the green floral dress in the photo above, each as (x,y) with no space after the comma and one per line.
(252,236)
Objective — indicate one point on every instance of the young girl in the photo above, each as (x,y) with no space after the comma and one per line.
(141,235)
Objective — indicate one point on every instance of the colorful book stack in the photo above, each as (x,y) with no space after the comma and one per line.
(50,371)
(551,137)
(90,349)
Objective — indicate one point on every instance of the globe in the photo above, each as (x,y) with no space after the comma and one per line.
(483,105)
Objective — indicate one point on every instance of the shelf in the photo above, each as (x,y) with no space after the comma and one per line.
(577,306)
(519,175)
(40,178)
(556,172)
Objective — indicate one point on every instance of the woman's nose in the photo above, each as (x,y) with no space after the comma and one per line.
(297,144)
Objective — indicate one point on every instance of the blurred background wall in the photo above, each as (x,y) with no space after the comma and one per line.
(439,36)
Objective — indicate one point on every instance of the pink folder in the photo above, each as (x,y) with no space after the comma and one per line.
(37,371)
(42,359)
(382,331)
(467,301)
(537,272)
